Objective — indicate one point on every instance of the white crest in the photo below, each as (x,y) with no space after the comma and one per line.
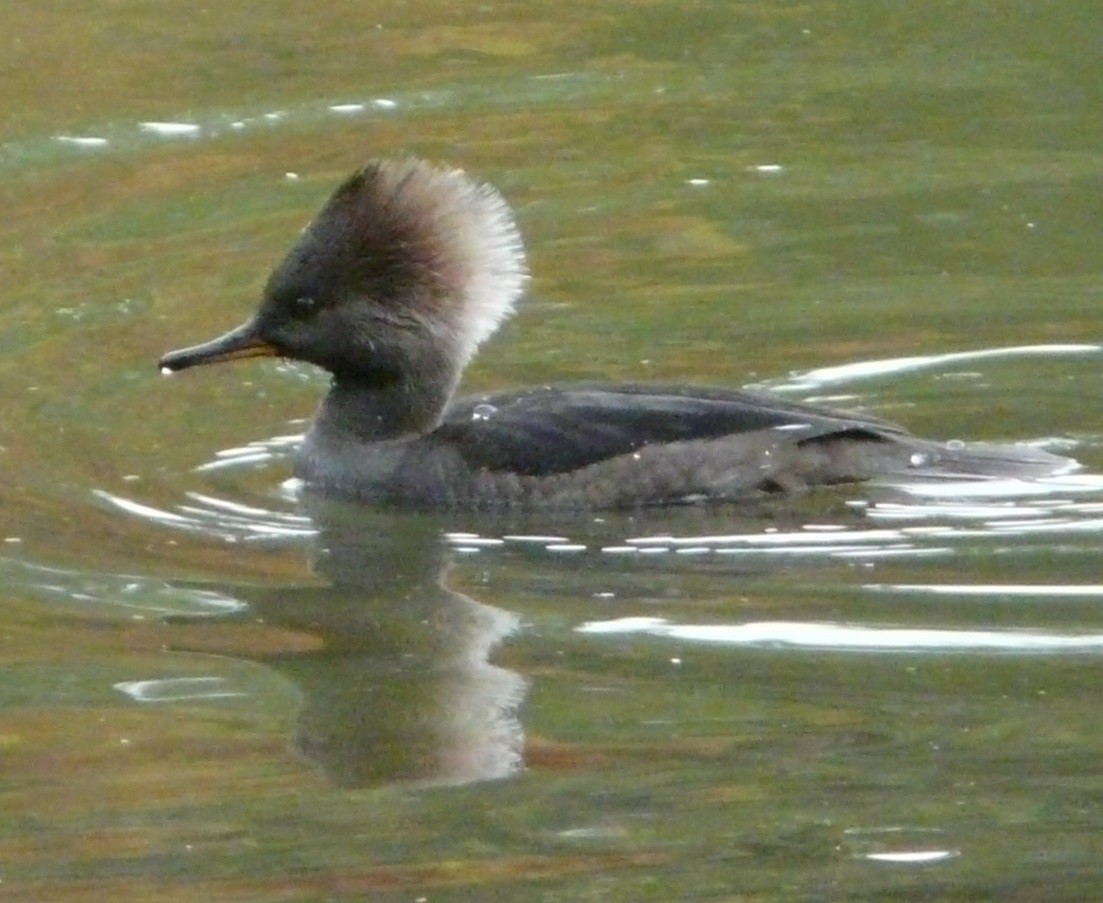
(472,239)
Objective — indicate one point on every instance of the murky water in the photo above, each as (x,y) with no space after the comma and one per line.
(212,689)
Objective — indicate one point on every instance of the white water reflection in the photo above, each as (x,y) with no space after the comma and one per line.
(913,857)
(523,93)
(141,596)
(170,129)
(235,521)
(221,518)
(178,689)
(897,845)
(917,520)
(995,488)
(826,377)
(853,638)
(262,451)
(994,590)
(87,141)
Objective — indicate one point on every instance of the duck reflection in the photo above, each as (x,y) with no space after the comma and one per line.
(401,687)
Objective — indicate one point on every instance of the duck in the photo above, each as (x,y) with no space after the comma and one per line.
(409,267)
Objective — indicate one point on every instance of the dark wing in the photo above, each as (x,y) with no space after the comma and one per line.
(557,429)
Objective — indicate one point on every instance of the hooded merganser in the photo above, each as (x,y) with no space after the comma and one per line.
(392,287)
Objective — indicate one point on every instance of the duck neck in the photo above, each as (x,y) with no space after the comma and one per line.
(361,411)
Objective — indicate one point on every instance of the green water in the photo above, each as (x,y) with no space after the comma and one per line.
(202,701)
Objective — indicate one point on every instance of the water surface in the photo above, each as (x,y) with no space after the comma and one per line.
(213,690)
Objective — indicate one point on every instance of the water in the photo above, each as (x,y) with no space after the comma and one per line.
(213,688)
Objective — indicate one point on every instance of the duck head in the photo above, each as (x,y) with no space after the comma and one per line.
(403,273)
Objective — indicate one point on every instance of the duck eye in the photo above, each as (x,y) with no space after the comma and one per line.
(303,306)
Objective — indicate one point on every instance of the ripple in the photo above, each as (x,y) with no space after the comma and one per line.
(178,689)
(850,638)
(913,857)
(85,141)
(221,518)
(931,521)
(897,845)
(142,596)
(989,488)
(995,590)
(127,137)
(170,129)
(825,377)
(260,452)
